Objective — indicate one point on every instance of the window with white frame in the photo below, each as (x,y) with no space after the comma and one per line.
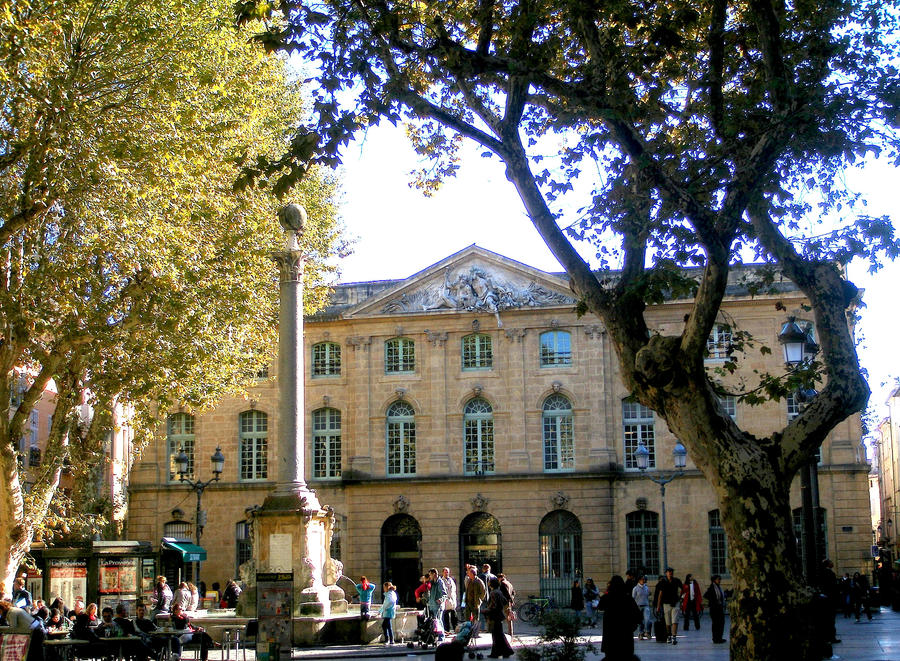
(177,529)
(642,539)
(326,359)
(718,545)
(718,344)
(556,348)
(638,425)
(180,436)
(254,443)
(559,435)
(729,403)
(399,355)
(401,439)
(478,424)
(326,425)
(477,352)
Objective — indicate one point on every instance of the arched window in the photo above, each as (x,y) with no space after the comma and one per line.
(478,424)
(401,439)
(477,352)
(560,540)
(480,542)
(326,359)
(180,436)
(326,426)
(718,545)
(399,356)
(637,421)
(254,441)
(559,436)
(642,539)
(401,555)
(556,348)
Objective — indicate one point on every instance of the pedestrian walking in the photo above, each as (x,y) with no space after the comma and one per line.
(621,617)
(666,598)
(496,616)
(450,618)
(691,602)
(475,594)
(641,595)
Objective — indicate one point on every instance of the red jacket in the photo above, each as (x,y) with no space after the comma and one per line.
(687,604)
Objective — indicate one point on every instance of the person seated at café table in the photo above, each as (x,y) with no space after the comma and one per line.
(60,604)
(77,609)
(108,628)
(91,611)
(191,633)
(140,649)
(56,621)
(146,626)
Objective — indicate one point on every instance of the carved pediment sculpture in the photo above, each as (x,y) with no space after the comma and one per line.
(476,289)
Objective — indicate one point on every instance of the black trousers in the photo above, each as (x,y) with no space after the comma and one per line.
(688,616)
(717,619)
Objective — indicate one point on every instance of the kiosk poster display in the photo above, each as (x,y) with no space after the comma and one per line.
(275,604)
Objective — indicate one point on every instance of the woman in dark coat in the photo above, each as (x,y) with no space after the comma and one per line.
(621,616)
(496,613)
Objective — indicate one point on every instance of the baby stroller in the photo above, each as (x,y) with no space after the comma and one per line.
(426,632)
(454,650)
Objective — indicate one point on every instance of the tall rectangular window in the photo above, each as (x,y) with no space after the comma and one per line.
(718,344)
(478,431)
(477,352)
(326,443)
(243,545)
(642,537)
(718,546)
(326,359)
(556,348)
(399,355)
(558,433)
(180,436)
(254,441)
(401,439)
(638,426)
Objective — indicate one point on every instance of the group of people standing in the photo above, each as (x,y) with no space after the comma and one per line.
(628,605)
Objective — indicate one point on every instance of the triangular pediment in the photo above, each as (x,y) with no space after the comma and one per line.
(473,279)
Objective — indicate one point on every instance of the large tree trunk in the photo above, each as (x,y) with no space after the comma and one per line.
(771,611)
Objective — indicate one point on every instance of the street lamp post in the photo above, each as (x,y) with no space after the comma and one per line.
(800,349)
(198,486)
(642,459)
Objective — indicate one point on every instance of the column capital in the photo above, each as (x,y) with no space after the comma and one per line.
(290,265)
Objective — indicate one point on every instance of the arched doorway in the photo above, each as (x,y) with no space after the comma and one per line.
(560,539)
(401,557)
(480,542)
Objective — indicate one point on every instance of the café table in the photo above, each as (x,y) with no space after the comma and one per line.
(64,646)
(168,633)
(119,643)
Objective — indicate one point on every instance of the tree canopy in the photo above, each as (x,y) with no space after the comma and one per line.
(132,271)
(668,134)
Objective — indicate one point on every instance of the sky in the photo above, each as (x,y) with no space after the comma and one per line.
(399,232)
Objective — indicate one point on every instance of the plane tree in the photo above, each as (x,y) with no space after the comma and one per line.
(131,273)
(664,134)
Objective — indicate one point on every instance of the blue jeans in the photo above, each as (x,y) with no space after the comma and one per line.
(387,626)
(647,624)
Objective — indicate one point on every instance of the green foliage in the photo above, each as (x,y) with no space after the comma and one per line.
(560,639)
(132,271)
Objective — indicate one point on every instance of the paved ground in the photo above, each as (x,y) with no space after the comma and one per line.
(878,640)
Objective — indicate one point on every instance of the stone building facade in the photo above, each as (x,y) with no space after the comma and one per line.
(468,414)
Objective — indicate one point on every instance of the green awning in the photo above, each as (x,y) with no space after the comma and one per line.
(189,552)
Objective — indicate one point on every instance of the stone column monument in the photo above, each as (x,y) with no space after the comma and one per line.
(292,531)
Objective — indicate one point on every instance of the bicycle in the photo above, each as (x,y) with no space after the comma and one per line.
(535,608)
